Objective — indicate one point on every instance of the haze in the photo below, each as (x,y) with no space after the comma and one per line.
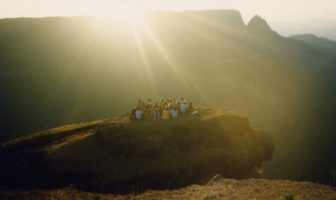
(273,11)
(68,70)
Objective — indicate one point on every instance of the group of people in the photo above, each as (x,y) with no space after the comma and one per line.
(163,110)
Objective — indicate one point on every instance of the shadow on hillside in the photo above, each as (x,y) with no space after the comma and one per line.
(119,156)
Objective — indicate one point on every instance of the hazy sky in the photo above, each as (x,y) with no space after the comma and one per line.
(272,10)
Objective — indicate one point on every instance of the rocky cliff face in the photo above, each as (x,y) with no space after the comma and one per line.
(119,155)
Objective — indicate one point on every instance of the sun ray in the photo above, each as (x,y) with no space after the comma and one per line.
(141,50)
(182,77)
(158,44)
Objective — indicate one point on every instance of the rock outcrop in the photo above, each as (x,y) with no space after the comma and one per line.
(119,155)
(258,24)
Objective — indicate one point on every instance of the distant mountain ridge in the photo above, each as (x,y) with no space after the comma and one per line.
(324,45)
(320,27)
(258,24)
(230,17)
(31,50)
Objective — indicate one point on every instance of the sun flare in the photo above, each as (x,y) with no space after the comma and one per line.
(128,14)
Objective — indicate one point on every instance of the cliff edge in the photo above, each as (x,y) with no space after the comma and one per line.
(119,155)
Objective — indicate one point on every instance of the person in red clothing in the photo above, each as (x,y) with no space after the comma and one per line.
(191,110)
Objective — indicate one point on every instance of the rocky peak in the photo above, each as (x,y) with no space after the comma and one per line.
(258,24)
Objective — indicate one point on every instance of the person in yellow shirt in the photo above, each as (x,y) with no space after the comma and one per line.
(165,114)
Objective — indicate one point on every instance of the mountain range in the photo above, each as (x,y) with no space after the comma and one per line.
(320,27)
(61,70)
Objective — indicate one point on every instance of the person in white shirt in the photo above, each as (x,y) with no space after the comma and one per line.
(183,106)
(138,114)
(149,103)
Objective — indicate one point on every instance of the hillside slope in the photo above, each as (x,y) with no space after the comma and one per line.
(56,71)
(84,68)
(117,155)
(320,27)
(320,44)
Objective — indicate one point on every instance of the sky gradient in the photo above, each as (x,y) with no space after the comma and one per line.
(278,10)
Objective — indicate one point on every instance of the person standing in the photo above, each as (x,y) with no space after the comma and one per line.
(183,106)
(174,113)
(138,114)
(166,114)
(157,112)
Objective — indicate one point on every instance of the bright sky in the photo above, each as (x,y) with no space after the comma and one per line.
(271,10)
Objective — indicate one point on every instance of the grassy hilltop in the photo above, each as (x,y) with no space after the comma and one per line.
(119,155)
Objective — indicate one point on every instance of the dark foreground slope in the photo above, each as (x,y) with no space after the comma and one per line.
(119,155)
(226,189)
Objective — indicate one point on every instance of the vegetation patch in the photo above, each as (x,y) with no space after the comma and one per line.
(120,155)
